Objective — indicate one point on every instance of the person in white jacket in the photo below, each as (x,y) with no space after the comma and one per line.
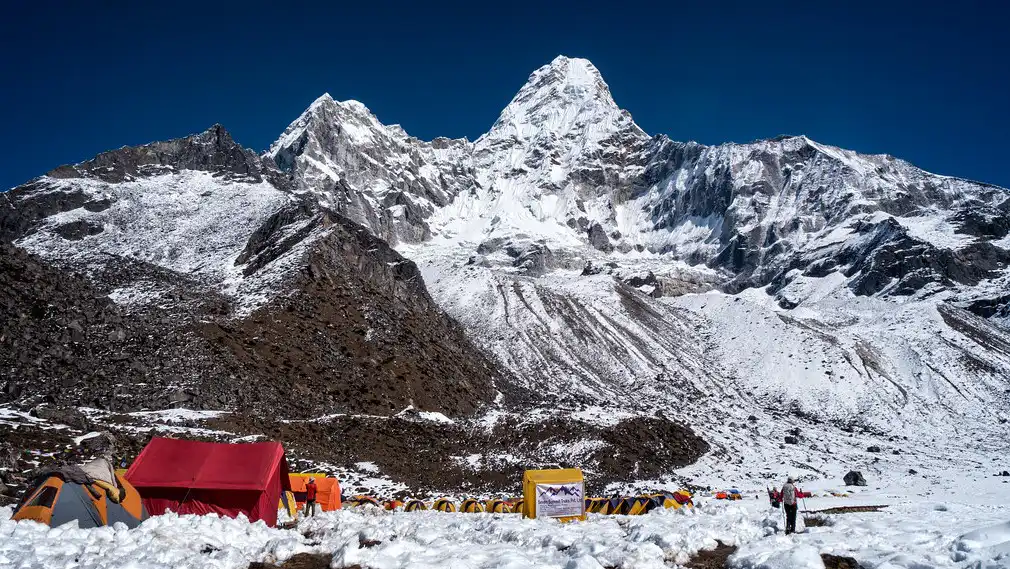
(789,504)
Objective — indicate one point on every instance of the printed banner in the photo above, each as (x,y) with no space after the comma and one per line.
(560,500)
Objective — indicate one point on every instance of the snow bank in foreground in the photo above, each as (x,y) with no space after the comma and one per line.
(168,541)
(423,539)
(987,543)
(905,536)
(780,556)
(433,539)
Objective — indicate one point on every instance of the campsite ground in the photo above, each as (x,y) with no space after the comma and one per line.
(933,524)
(936,494)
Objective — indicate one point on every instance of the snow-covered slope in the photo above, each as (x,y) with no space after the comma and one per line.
(855,290)
(187,206)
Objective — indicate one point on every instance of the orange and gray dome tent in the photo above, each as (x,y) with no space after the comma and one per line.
(63,495)
(192,477)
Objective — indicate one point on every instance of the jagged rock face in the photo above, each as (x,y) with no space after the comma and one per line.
(559,150)
(213,150)
(358,334)
(760,210)
(369,172)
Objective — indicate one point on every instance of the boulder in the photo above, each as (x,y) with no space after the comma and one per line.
(839,562)
(536,259)
(491,245)
(62,415)
(8,457)
(792,440)
(478,260)
(591,269)
(873,448)
(105,442)
(645,282)
(598,238)
(854,478)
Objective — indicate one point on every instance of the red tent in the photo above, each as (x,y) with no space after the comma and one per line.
(191,477)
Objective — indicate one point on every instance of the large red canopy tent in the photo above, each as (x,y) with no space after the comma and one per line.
(191,477)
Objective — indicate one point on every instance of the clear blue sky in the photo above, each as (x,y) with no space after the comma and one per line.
(930,84)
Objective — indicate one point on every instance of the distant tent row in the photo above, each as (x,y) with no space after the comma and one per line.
(469,505)
(637,505)
(623,505)
(732,494)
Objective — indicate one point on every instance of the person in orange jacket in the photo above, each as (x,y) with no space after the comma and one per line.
(310,497)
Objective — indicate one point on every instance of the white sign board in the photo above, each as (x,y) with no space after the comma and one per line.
(560,500)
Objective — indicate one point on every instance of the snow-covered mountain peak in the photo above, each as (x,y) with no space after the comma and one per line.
(376,174)
(550,164)
(566,98)
(566,79)
(349,121)
(324,99)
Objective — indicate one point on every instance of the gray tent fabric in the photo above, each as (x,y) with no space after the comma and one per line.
(74,504)
(117,513)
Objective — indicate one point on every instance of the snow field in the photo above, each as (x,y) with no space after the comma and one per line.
(911,535)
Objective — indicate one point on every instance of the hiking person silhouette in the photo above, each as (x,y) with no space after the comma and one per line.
(788,495)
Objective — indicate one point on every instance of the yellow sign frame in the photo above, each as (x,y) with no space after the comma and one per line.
(531,478)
